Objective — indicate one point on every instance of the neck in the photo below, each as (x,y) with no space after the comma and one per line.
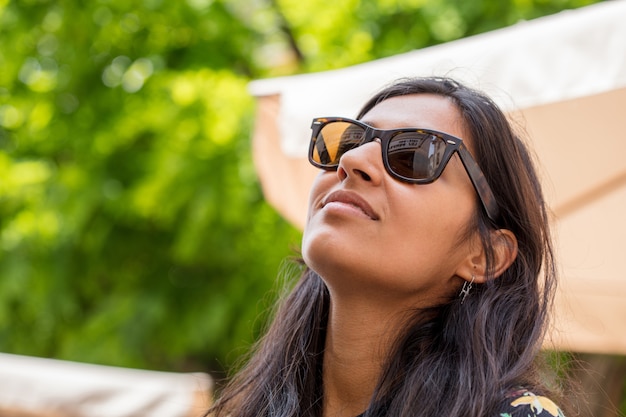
(358,341)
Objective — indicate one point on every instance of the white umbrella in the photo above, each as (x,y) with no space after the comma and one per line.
(38,387)
(564,78)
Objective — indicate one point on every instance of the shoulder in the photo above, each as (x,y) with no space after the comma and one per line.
(523,403)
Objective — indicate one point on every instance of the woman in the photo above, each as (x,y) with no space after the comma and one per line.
(428,269)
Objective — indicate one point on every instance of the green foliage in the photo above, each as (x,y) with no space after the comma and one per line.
(133,230)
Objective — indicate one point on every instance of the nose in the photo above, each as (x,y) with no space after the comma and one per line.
(363,163)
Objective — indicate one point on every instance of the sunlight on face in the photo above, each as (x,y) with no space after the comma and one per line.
(370,233)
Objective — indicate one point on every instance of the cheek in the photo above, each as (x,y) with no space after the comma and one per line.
(429,235)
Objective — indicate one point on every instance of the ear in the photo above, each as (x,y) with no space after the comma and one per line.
(474,267)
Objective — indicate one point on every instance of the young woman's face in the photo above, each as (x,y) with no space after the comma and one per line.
(368,232)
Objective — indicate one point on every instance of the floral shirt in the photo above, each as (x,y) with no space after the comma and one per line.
(523,403)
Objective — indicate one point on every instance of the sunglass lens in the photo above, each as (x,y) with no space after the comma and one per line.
(335,139)
(415,155)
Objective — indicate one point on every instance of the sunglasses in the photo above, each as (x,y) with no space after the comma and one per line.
(416,156)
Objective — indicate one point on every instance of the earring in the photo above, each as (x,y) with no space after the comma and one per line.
(467,286)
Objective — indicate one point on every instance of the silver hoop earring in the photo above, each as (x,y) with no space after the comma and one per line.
(467,286)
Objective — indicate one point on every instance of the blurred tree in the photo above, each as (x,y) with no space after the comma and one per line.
(132,228)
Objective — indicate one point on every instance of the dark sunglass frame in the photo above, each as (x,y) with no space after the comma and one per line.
(453,144)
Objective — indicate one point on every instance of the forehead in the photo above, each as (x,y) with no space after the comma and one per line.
(426,111)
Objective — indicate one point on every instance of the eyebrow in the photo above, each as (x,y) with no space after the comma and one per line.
(374,125)
(377,126)
(407,126)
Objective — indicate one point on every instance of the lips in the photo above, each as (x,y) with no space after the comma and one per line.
(353,199)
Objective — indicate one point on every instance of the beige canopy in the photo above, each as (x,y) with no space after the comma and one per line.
(37,387)
(563,77)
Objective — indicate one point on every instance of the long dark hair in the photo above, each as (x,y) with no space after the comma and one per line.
(465,357)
